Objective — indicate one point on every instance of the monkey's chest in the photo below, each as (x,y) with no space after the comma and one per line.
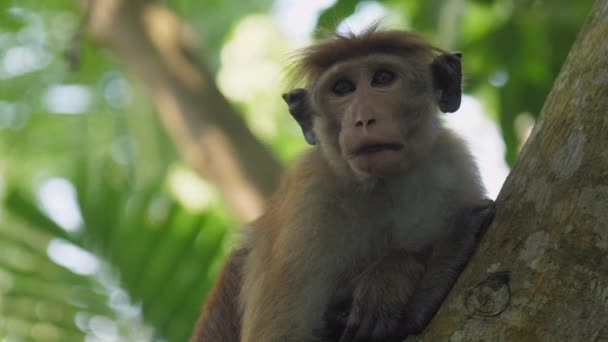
(355,238)
(417,226)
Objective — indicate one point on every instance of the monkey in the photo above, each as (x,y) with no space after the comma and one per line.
(220,319)
(370,227)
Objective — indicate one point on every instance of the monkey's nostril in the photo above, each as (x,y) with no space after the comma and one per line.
(367,123)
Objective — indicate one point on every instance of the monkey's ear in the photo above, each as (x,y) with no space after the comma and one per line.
(447,78)
(299,108)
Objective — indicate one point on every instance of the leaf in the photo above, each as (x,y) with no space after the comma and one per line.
(331,17)
(24,207)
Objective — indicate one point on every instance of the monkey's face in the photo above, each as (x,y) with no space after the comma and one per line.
(374,105)
(376,114)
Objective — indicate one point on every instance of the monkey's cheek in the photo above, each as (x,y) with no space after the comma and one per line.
(377,164)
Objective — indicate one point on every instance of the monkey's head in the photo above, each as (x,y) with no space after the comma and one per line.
(372,99)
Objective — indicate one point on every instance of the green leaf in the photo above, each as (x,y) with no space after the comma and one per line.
(25,207)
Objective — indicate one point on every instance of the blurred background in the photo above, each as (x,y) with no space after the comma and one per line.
(108,233)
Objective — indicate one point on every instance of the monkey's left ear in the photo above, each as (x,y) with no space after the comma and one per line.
(299,108)
(447,78)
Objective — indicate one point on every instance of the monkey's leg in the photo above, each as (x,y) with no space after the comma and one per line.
(448,259)
(220,320)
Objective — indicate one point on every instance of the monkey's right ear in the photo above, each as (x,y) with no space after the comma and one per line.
(447,79)
(299,108)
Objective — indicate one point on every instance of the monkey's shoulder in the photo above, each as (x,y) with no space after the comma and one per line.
(431,195)
(453,169)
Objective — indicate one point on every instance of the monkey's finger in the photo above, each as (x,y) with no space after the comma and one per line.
(387,330)
(364,334)
(484,206)
(337,313)
(352,325)
(334,325)
(482,216)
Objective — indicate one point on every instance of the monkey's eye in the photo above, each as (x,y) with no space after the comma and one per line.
(343,87)
(383,78)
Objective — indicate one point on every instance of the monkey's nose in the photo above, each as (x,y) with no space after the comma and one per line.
(369,123)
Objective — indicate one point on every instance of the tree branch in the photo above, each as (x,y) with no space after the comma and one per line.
(151,42)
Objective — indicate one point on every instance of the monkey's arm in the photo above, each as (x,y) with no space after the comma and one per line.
(368,308)
(220,320)
(399,295)
(448,259)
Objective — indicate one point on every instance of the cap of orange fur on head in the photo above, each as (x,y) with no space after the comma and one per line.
(312,61)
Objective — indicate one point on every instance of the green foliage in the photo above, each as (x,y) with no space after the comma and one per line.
(212,20)
(528,44)
(154,247)
(165,254)
(153,250)
(331,18)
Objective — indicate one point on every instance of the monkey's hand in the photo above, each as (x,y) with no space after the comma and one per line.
(373,312)
(445,264)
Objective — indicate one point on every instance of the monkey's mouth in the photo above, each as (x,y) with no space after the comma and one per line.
(377,147)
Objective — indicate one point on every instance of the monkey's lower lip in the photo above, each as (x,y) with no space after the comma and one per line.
(374,148)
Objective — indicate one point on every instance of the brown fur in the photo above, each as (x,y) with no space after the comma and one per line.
(220,319)
(314,60)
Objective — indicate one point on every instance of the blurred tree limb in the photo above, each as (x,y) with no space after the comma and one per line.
(154,46)
(541,272)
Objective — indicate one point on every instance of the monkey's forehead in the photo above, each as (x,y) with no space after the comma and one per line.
(319,57)
(374,60)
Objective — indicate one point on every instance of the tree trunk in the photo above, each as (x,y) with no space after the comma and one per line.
(541,272)
(151,42)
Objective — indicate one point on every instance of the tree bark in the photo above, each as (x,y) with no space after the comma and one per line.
(152,44)
(541,272)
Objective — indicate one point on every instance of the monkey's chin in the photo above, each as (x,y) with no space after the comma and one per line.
(378,164)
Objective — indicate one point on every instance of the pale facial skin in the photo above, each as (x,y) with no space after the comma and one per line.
(375,101)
